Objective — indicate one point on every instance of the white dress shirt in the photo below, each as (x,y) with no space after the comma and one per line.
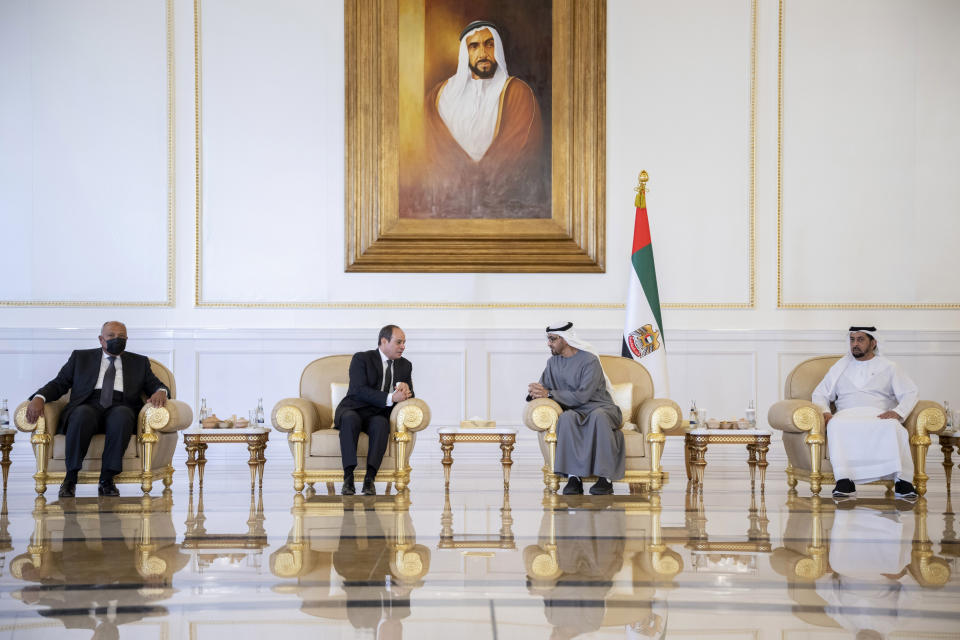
(104,363)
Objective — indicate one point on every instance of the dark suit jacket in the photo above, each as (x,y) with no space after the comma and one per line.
(366,379)
(79,377)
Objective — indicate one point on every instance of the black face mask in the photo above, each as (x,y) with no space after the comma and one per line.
(115,346)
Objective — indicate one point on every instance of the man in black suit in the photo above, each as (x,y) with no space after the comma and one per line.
(105,388)
(379,379)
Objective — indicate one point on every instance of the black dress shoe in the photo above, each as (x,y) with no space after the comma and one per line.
(108,489)
(602,487)
(349,488)
(68,489)
(574,487)
(904,489)
(369,488)
(844,488)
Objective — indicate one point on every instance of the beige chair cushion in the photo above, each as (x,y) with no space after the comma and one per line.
(338,391)
(806,376)
(620,369)
(95,452)
(623,398)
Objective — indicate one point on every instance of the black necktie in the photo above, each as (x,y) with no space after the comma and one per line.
(106,392)
(388,376)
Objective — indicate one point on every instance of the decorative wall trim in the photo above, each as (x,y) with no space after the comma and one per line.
(816,305)
(171,198)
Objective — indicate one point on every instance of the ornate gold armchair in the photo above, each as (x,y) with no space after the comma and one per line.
(149,455)
(308,422)
(343,554)
(647,421)
(805,436)
(125,546)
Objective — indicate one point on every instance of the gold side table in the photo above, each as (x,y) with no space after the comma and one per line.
(505,437)
(757,441)
(6,443)
(196,439)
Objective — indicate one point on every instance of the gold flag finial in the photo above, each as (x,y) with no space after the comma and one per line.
(641,189)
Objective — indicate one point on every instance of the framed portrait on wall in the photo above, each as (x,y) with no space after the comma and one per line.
(475,135)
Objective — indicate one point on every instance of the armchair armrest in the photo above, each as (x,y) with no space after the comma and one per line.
(659,415)
(410,415)
(541,414)
(796,416)
(927,417)
(50,416)
(290,412)
(174,416)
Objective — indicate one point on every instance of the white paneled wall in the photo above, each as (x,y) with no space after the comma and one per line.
(462,374)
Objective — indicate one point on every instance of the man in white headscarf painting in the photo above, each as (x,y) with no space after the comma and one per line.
(484,137)
(865,438)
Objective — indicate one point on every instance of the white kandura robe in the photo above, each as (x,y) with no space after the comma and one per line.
(861,446)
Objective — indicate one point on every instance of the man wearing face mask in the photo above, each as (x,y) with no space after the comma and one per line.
(105,388)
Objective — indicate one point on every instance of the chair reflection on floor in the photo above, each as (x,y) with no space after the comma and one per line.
(450,540)
(587,548)
(354,559)
(843,559)
(97,564)
(233,549)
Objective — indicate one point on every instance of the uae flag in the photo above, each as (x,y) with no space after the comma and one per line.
(643,328)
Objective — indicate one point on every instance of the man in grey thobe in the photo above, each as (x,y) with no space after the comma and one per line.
(589,441)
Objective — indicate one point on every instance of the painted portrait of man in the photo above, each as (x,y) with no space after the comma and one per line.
(477,143)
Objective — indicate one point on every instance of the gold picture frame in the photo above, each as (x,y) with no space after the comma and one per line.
(377,239)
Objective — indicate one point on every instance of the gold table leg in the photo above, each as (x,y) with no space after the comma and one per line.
(5,445)
(191,461)
(446,445)
(699,463)
(752,462)
(762,463)
(947,450)
(201,462)
(253,463)
(261,461)
(506,445)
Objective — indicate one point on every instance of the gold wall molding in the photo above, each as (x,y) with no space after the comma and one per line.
(751,302)
(781,304)
(171,198)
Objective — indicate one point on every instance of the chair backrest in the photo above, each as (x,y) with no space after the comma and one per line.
(317,376)
(165,376)
(806,376)
(620,369)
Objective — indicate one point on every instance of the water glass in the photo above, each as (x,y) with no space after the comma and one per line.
(253,418)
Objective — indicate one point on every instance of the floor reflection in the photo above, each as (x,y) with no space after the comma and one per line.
(227,563)
(861,565)
(97,564)
(582,545)
(353,558)
(213,551)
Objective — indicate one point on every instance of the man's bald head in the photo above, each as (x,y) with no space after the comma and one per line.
(113,326)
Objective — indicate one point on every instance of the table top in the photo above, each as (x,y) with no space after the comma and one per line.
(7,432)
(248,431)
(951,435)
(730,432)
(492,430)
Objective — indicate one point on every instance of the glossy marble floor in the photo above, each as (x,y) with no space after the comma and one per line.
(476,563)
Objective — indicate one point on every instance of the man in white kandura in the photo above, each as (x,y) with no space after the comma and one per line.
(589,441)
(865,438)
